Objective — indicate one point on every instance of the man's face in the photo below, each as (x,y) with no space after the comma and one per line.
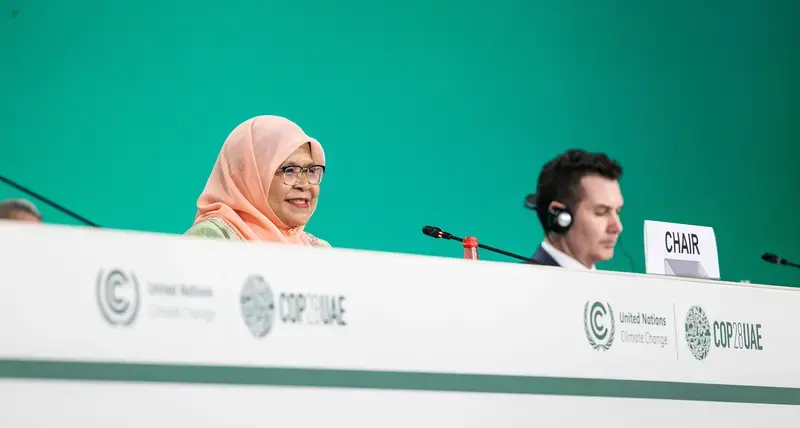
(597,225)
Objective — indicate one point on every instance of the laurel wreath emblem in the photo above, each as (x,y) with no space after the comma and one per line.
(115,309)
(587,321)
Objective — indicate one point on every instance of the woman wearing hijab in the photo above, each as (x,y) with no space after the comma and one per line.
(264,185)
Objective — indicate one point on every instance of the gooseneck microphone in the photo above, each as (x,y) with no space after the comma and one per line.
(435,232)
(774,259)
(48,202)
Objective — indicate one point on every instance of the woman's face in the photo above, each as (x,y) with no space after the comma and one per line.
(294,202)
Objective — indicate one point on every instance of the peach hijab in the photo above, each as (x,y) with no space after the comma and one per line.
(238,186)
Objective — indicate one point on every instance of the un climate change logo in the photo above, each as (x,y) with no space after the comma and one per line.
(118,296)
(598,322)
(698,332)
(257,305)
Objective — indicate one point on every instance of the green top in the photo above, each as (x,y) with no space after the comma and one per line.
(213,228)
(219,229)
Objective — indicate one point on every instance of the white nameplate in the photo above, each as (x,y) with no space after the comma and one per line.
(680,250)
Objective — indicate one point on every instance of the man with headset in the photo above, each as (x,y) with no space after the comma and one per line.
(578,202)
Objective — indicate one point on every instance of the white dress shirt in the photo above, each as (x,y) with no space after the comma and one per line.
(562,258)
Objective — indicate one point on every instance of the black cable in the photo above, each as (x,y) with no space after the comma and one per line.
(49,202)
(628,255)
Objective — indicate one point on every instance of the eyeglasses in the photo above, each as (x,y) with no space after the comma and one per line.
(292,174)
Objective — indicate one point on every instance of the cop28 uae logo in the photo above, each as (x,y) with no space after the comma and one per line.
(118,296)
(698,332)
(598,323)
(257,305)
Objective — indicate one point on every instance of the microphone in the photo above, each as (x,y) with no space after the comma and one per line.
(774,259)
(436,233)
(48,202)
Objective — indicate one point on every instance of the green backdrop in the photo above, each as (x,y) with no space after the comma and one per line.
(430,112)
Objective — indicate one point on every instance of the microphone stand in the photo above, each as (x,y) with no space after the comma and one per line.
(435,232)
(785,262)
(497,250)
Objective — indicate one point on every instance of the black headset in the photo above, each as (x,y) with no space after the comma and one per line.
(557,219)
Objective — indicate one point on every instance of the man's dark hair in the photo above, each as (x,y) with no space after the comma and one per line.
(560,179)
(9,207)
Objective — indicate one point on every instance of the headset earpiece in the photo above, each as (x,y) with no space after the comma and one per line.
(559,219)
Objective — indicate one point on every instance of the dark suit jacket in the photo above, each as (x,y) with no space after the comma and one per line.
(543,257)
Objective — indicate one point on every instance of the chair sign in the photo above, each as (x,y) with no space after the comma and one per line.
(680,250)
